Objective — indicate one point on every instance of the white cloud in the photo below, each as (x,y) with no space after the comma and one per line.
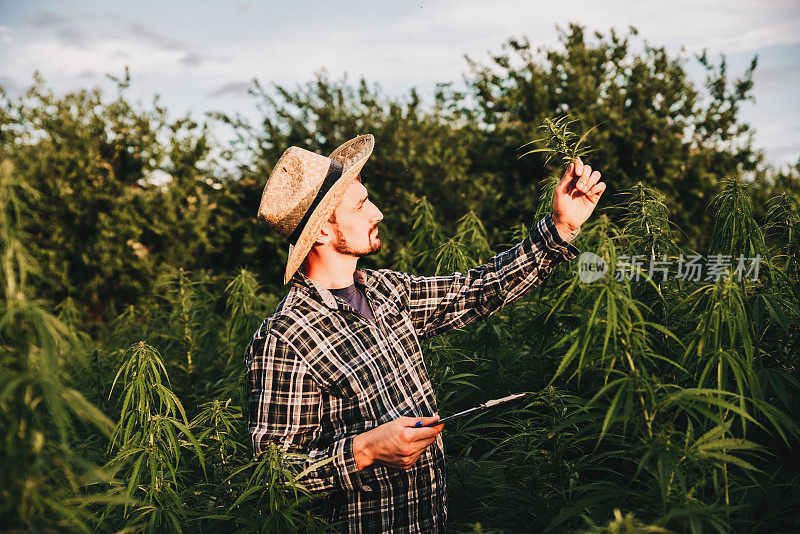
(730,25)
(108,55)
(415,45)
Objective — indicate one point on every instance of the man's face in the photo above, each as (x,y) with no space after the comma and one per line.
(355,223)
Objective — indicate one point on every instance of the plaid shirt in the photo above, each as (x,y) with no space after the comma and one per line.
(320,373)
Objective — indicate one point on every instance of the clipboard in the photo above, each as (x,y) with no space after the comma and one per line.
(476,409)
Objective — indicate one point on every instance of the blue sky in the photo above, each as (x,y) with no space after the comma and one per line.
(202,56)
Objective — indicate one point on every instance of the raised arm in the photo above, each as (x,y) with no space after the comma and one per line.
(441,303)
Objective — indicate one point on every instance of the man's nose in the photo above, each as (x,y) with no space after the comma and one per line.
(379,215)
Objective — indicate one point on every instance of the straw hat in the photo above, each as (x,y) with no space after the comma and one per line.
(303,190)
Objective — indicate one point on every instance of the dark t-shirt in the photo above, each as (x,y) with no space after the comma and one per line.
(354,295)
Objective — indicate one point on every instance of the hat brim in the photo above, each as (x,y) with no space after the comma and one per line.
(334,196)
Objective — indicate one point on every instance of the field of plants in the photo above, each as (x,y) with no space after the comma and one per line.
(660,403)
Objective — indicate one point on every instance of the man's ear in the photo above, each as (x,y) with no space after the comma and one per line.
(325,234)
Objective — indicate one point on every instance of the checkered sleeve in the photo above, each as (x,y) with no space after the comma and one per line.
(285,408)
(441,303)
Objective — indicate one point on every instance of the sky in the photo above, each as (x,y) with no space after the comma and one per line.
(203,56)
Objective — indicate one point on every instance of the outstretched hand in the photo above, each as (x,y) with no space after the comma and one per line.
(576,196)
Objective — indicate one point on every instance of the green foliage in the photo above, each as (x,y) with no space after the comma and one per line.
(108,226)
(426,238)
(783,218)
(270,500)
(151,431)
(735,230)
(561,143)
(44,483)
(646,222)
(627,524)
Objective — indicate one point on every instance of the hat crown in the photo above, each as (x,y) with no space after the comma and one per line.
(291,188)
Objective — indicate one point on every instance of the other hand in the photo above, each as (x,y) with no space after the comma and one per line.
(396,443)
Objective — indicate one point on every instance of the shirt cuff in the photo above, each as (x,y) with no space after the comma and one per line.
(553,240)
(346,465)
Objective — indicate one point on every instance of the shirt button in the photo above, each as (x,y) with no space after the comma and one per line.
(365,487)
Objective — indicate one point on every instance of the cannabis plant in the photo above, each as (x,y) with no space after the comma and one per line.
(152,433)
(45,484)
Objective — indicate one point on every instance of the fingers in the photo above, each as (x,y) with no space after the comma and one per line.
(406,456)
(584,176)
(569,175)
(411,421)
(424,444)
(580,175)
(586,185)
(416,428)
(578,167)
(596,191)
(412,458)
(427,432)
(416,456)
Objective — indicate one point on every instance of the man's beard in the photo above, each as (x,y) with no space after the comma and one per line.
(342,246)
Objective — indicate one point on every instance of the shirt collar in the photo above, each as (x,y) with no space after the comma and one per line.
(322,294)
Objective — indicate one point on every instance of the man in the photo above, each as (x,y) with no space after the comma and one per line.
(337,371)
